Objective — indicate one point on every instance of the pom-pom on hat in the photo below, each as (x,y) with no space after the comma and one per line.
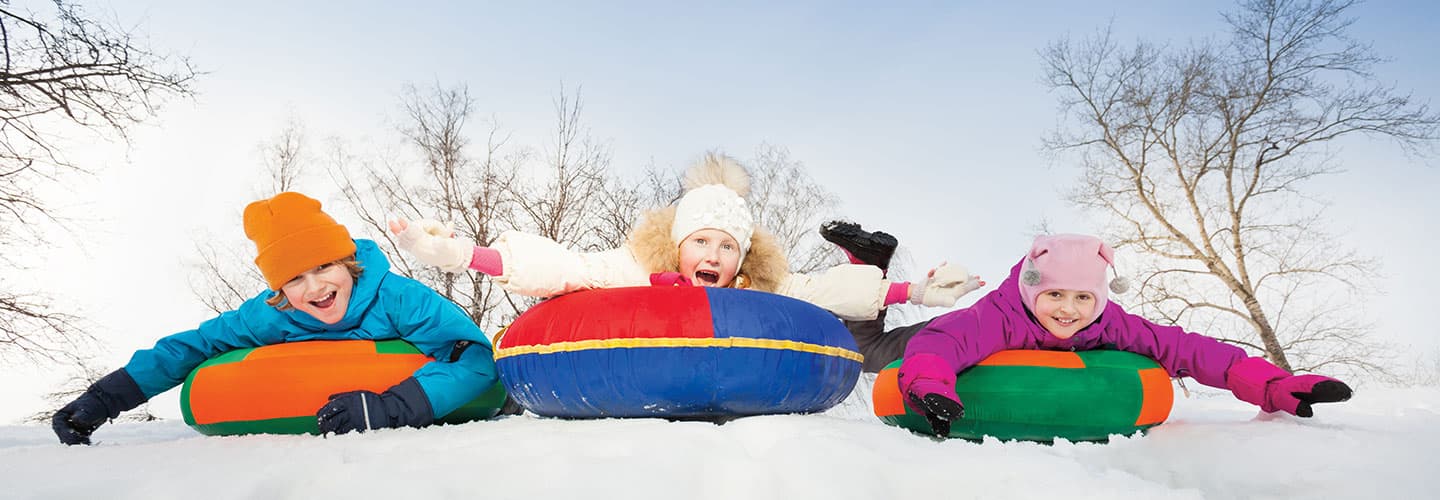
(292,235)
(1069,262)
(715,199)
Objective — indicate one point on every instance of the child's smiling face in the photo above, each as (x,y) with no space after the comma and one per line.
(322,292)
(710,257)
(1064,312)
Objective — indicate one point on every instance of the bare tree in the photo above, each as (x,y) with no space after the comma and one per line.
(62,71)
(285,157)
(1200,157)
(1426,372)
(785,199)
(575,176)
(73,387)
(624,201)
(472,195)
(792,205)
(31,327)
(223,277)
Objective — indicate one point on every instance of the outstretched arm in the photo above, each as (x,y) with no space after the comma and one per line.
(155,370)
(1181,353)
(435,244)
(1217,364)
(942,287)
(522,263)
(166,365)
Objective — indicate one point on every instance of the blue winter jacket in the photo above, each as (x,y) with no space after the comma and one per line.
(382,306)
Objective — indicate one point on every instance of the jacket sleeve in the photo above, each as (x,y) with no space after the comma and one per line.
(539,267)
(166,365)
(1181,353)
(434,325)
(957,339)
(852,292)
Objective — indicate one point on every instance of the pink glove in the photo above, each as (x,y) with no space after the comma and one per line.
(1258,382)
(670,278)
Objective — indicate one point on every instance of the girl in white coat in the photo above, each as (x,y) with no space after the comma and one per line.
(707,238)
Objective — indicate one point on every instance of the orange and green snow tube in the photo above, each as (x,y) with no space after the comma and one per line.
(276,389)
(1045,395)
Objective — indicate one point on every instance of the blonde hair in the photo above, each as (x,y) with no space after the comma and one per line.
(740,281)
(278,300)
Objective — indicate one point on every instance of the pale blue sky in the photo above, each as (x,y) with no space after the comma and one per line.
(924,117)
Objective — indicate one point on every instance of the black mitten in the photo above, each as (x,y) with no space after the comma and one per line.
(939,410)
(405,404)
(104,400)
(1328,390)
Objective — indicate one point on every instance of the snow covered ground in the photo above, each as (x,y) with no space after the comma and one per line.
(1382,444)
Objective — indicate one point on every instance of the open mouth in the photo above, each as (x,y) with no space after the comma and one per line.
(324,303)
(1066,322)
(707,278)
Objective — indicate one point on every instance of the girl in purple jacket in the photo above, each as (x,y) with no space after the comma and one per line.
(1055,299)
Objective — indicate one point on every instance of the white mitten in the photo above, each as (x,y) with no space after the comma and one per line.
(945,285)
(432,243)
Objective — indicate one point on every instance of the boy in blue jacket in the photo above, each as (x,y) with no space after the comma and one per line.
(323,286)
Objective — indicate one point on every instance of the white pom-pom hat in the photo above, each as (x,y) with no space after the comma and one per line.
(715,199)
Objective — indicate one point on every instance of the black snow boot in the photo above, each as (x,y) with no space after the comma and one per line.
(874,249)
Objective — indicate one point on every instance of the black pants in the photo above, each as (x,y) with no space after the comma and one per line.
(881,347)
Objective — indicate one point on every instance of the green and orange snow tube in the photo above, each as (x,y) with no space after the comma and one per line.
(1045,395)
(276,389)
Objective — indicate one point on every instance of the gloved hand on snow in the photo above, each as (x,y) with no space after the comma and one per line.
(929,388)
(938,408)
(1257,381)
(943,286)
(403,405)
(104,400)
(433,243)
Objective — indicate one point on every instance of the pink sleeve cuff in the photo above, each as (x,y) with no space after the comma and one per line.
(487,260)
(1249,377)
(899,292)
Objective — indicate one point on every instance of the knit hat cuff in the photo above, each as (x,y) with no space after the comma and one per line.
(297,252)
(1031,293)
(1066,262)
(714,206)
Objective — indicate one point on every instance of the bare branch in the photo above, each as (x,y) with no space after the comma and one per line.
(61,67)
(1200,156)
(791,205)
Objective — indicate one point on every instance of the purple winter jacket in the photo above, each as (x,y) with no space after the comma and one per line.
(1000,321)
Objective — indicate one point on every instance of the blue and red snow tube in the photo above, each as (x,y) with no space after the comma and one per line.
(676,352)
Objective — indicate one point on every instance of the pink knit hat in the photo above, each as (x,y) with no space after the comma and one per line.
(1069,262)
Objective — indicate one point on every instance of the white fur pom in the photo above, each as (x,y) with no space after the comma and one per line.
(1119,285)
(717,168)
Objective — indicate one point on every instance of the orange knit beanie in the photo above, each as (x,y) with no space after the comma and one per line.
(292,236)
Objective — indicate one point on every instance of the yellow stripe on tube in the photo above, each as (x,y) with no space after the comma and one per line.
(743,342)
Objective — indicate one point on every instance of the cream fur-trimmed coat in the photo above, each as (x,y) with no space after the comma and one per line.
(540,267)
